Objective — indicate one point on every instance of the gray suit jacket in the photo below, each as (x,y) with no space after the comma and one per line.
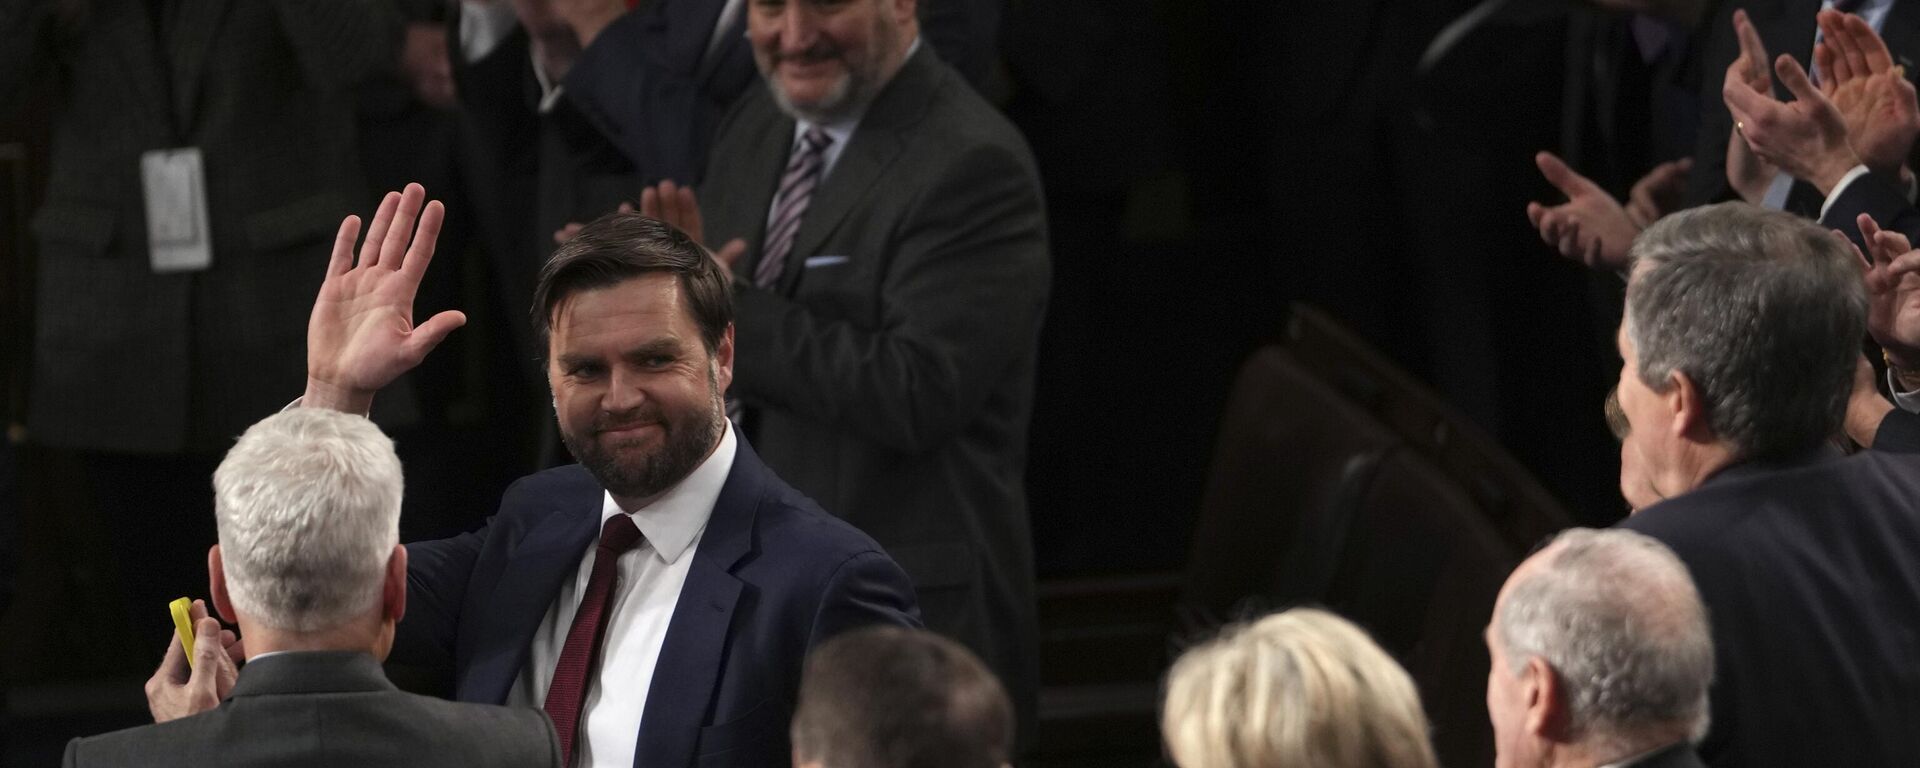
(327,710)
(889,375)
(129,360)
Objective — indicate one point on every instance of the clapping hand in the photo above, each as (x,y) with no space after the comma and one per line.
(1893,294)
(1873,96)
(1591,227)
(361,335)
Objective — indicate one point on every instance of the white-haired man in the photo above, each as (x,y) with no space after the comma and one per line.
(310,566)
(1602,656)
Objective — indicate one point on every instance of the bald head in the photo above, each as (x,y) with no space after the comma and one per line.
(1615,616)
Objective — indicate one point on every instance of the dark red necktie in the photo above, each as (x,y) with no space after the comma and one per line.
(568,693)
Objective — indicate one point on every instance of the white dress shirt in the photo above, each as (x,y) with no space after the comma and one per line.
(650,577)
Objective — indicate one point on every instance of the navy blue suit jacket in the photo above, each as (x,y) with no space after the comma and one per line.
(772,576)
(1810,570)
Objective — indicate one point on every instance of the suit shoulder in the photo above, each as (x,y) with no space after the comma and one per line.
(171,742)
(792,522)
(556,482)
(486,734)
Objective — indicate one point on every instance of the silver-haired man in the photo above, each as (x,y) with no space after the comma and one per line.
(1742,331)
(1601,656)
(309,565)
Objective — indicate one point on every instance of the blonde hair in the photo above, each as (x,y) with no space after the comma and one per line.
(1299,688)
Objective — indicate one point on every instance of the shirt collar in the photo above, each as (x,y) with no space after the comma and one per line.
(674,521)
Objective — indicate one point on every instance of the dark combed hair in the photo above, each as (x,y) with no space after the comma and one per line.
(621,246)
(888,697)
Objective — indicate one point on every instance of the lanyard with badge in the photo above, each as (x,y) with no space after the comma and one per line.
(174,182)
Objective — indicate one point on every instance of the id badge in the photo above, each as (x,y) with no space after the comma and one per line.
(174,182)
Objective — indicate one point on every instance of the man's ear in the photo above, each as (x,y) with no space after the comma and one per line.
(1688,407)
(1547,715)
(393,589)
(723,360)
(217,586)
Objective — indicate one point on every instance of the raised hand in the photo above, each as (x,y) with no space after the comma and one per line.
(1806,137)
(1747,174)
(1591,227)
(1873,96)
(178,689)
(361,335)
(677,206)
(1893,294)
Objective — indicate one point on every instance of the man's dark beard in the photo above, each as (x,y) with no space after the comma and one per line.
(685,443)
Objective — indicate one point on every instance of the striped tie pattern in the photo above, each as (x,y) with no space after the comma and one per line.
(790,204)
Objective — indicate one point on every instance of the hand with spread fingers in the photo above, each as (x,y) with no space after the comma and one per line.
(676,205)
(1893,294)
(1591,227)
(1873,96)
(361,335)
(1806,137)
(1747,173)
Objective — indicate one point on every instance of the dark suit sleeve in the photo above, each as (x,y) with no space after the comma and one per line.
(72,757)
(339,43)
(1876,197)
(961,300)
(437,577)
(638,86)
(868,589)
(1899,432)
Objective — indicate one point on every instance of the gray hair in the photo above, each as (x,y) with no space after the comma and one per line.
(1616,616)
(308,506)
(1762,310)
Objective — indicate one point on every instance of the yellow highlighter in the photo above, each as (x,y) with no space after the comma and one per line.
(183,625)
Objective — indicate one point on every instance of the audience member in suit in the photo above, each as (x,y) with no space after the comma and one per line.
(1601,656)
(309,565)
(141,370)
(886,697)
(1741,341)
(726,576)
(1300,687)
(889,247)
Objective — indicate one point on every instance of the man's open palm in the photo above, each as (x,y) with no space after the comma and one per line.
(361,335)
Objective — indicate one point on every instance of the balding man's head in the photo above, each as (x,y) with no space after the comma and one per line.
(1600,648)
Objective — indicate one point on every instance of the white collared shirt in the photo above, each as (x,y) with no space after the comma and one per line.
(650,578)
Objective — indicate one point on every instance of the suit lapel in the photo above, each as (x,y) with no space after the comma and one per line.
(546,558)
(874,146)
(768,159)
(188,42)
(691,658)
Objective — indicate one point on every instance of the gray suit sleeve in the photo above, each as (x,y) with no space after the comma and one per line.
(339,43)
(961,302)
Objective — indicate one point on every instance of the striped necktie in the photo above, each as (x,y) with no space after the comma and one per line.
(790,204)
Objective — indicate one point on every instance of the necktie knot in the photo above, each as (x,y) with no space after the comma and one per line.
(619,534)
(815,139)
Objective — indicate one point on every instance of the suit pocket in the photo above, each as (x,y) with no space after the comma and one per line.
(759,730)
(303,221)
(79,229)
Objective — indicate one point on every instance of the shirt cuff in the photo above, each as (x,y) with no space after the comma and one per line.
(1906,401)
(483,24)
(1857,172)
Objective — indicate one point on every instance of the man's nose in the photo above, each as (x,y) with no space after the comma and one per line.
(624,392)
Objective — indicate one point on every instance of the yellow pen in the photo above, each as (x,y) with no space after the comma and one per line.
(183,625)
